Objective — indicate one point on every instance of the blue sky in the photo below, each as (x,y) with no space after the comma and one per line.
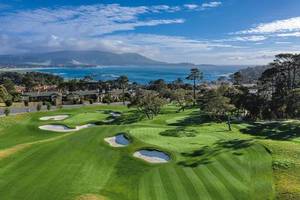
(198,31)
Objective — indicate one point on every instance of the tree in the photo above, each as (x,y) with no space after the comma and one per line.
(9,85)
(216,105)
(237,78)
(157,85)
(294,99)
(278,84)
(123,82)
(177,83)
(181,98)
(147,102)
(4,95)
(195,75)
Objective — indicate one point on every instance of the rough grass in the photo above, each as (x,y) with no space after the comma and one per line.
(212,163)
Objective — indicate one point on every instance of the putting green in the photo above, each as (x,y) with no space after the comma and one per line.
(209,164)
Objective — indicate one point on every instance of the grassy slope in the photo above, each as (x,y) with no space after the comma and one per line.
(215,164)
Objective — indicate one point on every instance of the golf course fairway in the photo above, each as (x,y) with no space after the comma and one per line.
(206,160)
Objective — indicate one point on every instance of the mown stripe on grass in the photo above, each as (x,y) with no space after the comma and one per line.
(175,187)
(170,190)
(235,186)
(158,186)
(186,182)
(177,184)
(214,186)
(230,164)
(144,189)
(261,173)
(201,191)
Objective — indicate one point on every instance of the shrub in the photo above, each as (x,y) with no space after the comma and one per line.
(48,105)
(107,99)
(38,107)
(26,103)
(8,102)
(6,111)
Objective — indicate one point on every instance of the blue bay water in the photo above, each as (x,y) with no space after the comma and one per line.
(139,74)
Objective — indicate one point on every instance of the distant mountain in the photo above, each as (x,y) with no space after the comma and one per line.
(78,58)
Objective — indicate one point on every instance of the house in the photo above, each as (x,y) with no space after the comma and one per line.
(77,96)
(253,89)
(52,96)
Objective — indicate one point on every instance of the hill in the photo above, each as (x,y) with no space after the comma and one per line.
(77,58)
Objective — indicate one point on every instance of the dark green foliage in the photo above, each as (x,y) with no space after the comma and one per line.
(8,102)
(4,95)
(237,78)
(195,75)
(107,99)
(48,105)
(38,107)
(279,87)
(26,103)
(91,101)
(6,111)
(30,79)
(123,83)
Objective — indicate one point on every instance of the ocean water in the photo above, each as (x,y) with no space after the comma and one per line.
(137,73)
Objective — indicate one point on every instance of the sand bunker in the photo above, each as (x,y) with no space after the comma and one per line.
(109,120)
(152,156)
(62,128)
(55,117)
(115,114)
(117,141)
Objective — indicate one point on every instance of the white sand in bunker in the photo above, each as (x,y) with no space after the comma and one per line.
(62,128)
(55,117)
(109,120)
(152,156)
(115,114)
(117,141)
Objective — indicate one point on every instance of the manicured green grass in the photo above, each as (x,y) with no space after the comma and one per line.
(84,118)
(208,162)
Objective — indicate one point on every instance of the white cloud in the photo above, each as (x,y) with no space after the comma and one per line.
(191,6)
(166,8)
(98,27)
(159,47)
(279,42)
(204,6)
(254,38)
(82,21)
(212,4)
(293,34)
(278,26)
